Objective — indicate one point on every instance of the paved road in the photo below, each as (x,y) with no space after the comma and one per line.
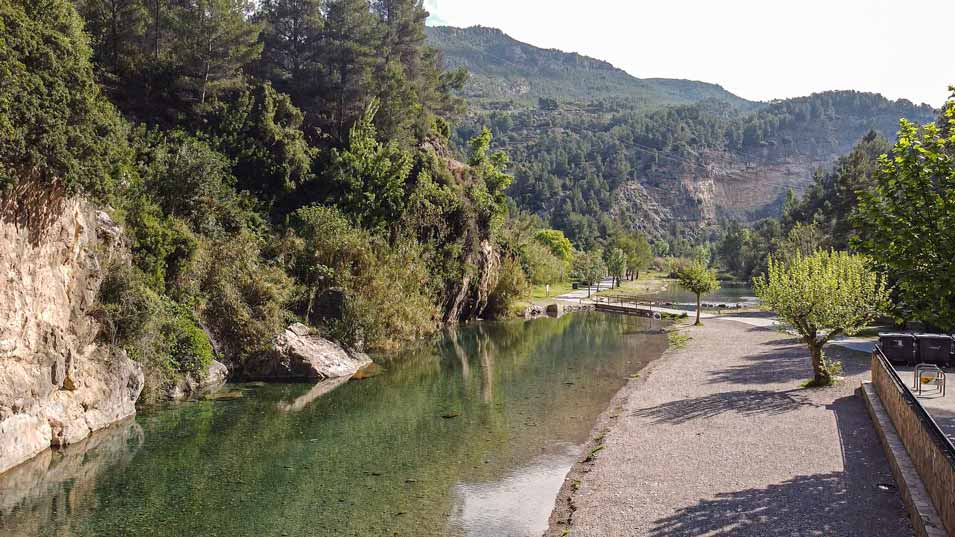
(720,439)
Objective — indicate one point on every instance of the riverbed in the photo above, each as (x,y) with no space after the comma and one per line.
(471,436)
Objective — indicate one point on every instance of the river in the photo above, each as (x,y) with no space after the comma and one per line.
(471,436)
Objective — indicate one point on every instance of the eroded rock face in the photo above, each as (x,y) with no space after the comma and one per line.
(57,383)
(300,355)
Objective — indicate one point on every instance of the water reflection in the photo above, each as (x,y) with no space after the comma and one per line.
(318,390)
(57,487)
(518,505)
(436,445)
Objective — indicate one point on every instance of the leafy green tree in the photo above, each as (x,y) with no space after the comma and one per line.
(823,296)
(699,280)
(371,176)
(616,265)
(491,168)
(635,247)
(910,220)
(541,265)
(192,181)
(55,127)
(661,248)
(802,239)
(589,268)
(559,244)
(261,130)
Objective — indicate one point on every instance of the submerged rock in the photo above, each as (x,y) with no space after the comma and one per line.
(299,354)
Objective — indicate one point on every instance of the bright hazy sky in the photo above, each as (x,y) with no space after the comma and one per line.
(758,49)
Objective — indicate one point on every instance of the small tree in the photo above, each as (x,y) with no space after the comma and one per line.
(589,268)
(823,296)
(616,265)
(557,242)
(698,279)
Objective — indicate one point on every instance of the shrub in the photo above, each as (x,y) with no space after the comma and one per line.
(511,284)
(388,296)
(159,333)
(243,295)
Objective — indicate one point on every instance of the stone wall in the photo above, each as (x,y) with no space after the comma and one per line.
(934,464)
(57,383)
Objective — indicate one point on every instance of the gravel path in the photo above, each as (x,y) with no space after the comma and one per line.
(604,285)
(720,439)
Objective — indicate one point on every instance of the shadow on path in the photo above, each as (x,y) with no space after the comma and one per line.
(849,503)
(746,402)
(786,360)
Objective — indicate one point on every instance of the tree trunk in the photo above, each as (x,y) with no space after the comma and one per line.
(698,307)
(821,377)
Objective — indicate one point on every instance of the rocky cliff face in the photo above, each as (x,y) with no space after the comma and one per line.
(57,383)
(728,185)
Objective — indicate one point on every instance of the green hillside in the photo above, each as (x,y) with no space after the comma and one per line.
(593,147)
(503,68)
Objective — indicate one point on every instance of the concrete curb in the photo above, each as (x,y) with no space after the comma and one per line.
(922,513)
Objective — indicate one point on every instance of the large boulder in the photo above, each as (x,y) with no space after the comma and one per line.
(58,383)
(301,355)
(191,385)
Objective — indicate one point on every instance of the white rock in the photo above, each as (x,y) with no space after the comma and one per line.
(301,355)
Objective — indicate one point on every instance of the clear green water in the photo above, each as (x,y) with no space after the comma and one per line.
(729,295)
(380,456)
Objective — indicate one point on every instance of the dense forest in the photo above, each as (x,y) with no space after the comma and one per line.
(269,162)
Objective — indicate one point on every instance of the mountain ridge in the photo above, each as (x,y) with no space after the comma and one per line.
(530,72)
(592,145)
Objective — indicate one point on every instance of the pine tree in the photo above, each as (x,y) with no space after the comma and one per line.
(348,58)
(215,40)
(118,31)
(291,33)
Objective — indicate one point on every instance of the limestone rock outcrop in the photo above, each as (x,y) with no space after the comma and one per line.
(57,382)
(301,355)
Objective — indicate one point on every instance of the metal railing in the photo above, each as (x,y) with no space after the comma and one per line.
(939,436)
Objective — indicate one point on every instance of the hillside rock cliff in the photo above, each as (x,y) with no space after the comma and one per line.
(57,382)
